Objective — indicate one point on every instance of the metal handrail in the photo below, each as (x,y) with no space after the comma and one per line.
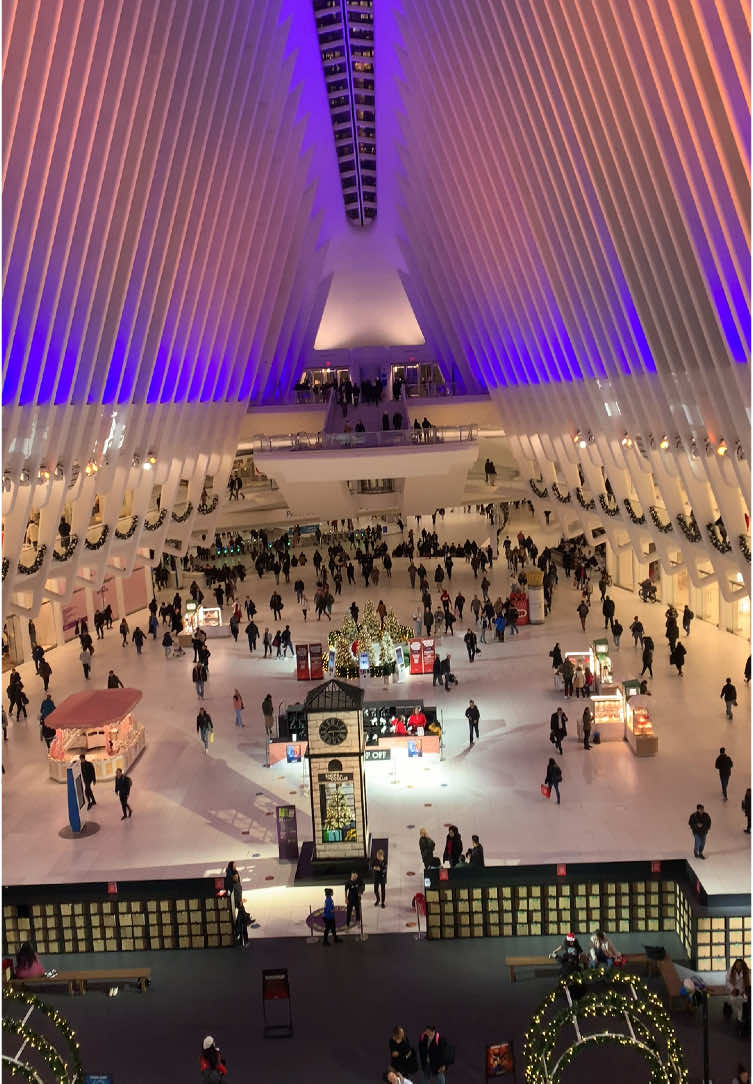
(386,438)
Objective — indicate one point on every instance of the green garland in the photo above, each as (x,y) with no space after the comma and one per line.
(587,505)
(123,535)
(665,528)
(207,509)
(534,483)
(624,996)
(743,542)
(157,523)
(184,515)
(6,566)
(104,535)
(717,540)
(36,564)
(67,553)
(637,520)
(558,494)
(607,507)
(73,1074)
(689,527)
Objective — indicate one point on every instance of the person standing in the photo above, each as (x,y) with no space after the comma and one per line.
(89,777)
(579,682)
(204,727)
(723,765)
(587,723)
(426,845)
(700,825)
(558,728)
(379,870)
(677,657)
(568,674)
(268,712)
(472,715)
(729,696)
(453,848)
(475,854)
(617,631)
(198,677)
(745,806)
(687,617)
(607,609)
(238,708)
(123,789)
(553,777)
(353,889)
(470,643)
(637,630)
(435,1054)
(138,639)
(329,917)
(167,644)
(85,658)
(211,1063)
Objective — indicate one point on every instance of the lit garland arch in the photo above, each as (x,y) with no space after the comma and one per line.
(48,1064)
(638,1014)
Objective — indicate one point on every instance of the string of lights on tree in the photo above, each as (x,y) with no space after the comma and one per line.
(184,515)
(606,507)
(36,564)
(638,520)
(123,535)
(627,1000)
(563,498)
(717,539)
(664,528)
(538,488)
(70,549)
(104,535)
(350,640)
(689,527)
(588,505)
(157,523)
(63,1073)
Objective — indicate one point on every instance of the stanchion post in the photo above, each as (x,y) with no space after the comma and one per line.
(441,736)
(364,937)
(266,751)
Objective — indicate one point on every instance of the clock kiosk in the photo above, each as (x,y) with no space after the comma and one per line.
(338,791)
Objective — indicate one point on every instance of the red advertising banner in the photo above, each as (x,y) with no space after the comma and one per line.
(315,657)
(520,602)
(416,657)
(302,662)
(428,655)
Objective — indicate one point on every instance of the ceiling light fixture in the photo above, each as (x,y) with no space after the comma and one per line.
(151,459)
(44,473)
(91,468)
(722,447)
(627,441)
(577,437)
(664,443)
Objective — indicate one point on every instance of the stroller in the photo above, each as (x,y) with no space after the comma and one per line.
(178,651)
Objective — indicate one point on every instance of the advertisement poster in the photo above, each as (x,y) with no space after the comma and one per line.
(499,1060)
(331,661)
(363,661)
(415,747)
(287,832)
(520,602)
(315,659)
(428,655)
(302,662)
(399,660)
(337,802)
(416,657)
(293,754)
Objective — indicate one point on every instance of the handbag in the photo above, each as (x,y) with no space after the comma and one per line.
(211,735)
(546,790)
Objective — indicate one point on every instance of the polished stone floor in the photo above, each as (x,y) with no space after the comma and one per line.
(194,811)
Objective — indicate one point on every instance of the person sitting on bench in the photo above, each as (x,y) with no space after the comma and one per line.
(602,952)
(28,965)
(569,954)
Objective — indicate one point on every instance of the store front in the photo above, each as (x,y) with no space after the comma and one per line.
(13,652)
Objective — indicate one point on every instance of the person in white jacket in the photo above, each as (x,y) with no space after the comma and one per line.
(602,952)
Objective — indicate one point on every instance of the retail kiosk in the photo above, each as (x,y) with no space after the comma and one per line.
(609,713)
(101,725)
(639,729)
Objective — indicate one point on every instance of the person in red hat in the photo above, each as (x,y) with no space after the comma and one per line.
(570,955)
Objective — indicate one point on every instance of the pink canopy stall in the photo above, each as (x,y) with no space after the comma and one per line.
(99,723)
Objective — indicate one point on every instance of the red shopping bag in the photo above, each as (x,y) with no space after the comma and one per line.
(545,790)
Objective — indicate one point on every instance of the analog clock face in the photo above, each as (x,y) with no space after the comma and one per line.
(333,731)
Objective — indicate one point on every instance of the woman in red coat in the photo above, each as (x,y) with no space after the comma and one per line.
(211,1062)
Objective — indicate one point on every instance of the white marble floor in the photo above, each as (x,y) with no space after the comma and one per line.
(193,811)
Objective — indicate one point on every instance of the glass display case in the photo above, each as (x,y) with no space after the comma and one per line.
(639,729)
(603,673)
(609,714)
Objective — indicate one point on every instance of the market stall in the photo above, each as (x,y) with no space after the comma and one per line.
(609,713)
(639,729)
(208,618)
(602,671)
(99,723)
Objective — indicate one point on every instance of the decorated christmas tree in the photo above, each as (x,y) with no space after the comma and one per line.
(338,815)
(350,640)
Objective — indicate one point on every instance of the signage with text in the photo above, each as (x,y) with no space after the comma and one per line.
(302,662)
(377,754)
(315,661)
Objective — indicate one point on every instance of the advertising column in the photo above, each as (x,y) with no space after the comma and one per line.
(302,662)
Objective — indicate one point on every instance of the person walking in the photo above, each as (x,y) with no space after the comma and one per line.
(204,727)
(113,681)
(677,657)
(582,611)
(85,658)
(471,644)
(553,777)
(211,1062)
(745,806)
(45,672)
(426,845)
(435,1054)
(473,715)
(700,825)
(729,696)
(637,630)
(267,641)
(723,765)
(252,632)
(238,708)
(379,870)
(353,890)
(687,617)
(89,778)
(138,639)
(648,660)
(199,677)
(167,644)
(558,728)
(268,712)
(123,786)
(607,609)
(329,917)
(556,656)
(124,631)
(617,631)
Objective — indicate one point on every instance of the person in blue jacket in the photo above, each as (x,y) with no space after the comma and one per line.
(329,916)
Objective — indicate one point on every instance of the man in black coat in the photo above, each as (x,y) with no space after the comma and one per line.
(607,608)
(353,889)
(699,824)
(723,765)
(558,728)
(472,715)
(435,1054)
(89,778)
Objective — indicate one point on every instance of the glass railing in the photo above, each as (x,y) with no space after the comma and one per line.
(387,438)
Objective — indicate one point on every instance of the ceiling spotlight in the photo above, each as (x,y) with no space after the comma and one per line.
(151,459)
(59,471)
(722,447)
(44,473)
(581,442)
(627,441)
(577,438)
(664,443)
(147,464)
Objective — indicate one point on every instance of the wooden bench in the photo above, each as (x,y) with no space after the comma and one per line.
(632,960)
(79,980)
(673,984)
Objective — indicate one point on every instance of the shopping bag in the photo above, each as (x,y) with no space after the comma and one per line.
(546,790)
(211,735)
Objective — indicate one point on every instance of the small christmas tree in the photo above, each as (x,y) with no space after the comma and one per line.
(338,815)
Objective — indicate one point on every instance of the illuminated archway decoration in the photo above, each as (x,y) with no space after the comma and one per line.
(43,1054)
(632,1017)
